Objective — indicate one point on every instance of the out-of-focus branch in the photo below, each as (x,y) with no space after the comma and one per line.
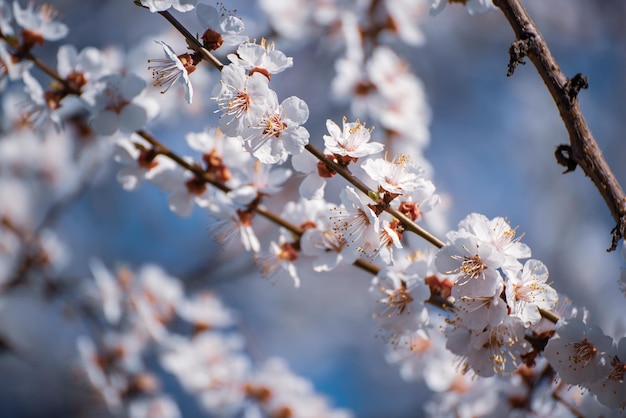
(583,149)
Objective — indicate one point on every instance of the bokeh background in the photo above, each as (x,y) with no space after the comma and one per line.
(492,144)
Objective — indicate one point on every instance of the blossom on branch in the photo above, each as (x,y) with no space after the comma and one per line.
(352,141)
(357,223)
(39,24)
(396,177)
(9,68)
(473,6)
(161,5)
(223,29)
(528,292)
(578,353)
(232,221)
(172,68)
(114,105)
(243,100)
(138,159)
(278,133)
(37,108)
(261,57)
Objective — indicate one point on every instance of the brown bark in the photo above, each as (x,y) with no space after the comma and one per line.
(583,150)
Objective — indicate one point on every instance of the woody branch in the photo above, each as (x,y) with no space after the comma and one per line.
(583,150)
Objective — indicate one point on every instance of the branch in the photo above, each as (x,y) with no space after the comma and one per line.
(408,224)
(583,149)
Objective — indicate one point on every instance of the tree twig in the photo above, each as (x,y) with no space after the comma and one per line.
(583,149)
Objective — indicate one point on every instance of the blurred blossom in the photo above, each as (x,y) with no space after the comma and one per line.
(40,22)
(478,322)
(112,105)
(222,27)
(261,57)
(161,5)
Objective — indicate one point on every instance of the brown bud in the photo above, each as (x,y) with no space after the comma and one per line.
(212,40)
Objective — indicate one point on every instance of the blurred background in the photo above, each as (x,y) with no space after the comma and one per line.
(492,145)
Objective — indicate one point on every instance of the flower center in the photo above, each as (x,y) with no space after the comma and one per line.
(274,126)
(472,267)
(618,371)
(584,351)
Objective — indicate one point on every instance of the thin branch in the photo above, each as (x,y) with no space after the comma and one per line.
(191,40)
(408,224)
(162,149)
(583,149)
(344,172)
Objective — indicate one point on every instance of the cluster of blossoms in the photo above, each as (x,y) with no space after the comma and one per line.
(495,304)
(139,316)
(496,297)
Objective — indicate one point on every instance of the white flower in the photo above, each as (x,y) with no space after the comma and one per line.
(205,310)
(577,354)
(161,406)
(400,297)
(279,260)
(279,392)
(41,22)
(352,141)
(184,187)
(263,58)
(172,68)
(278,133)
(89,361)
(498,233)
(384,89)
(137,163)
(161,5)
(491,351)
(224,157)
(474,261)
(10,69)
(259,179)
(112,105)
(326,245)
(611,387)
(36,107)
(406,14)
(529,292)
(313,185)
(478,311)
(89,63)
(320,240)
(109,291)
(397,176)
(6,18)
(212,366)
(162,291)
(243,100)
(223,29)
(232,222)
(357,223)
(473,6)
(389,238)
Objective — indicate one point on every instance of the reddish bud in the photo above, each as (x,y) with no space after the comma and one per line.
(307,225)
(196,185)
(212,40)
(410,209)
(146,159)
(324,171)
(439,287)
(261,71)
(76,80)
